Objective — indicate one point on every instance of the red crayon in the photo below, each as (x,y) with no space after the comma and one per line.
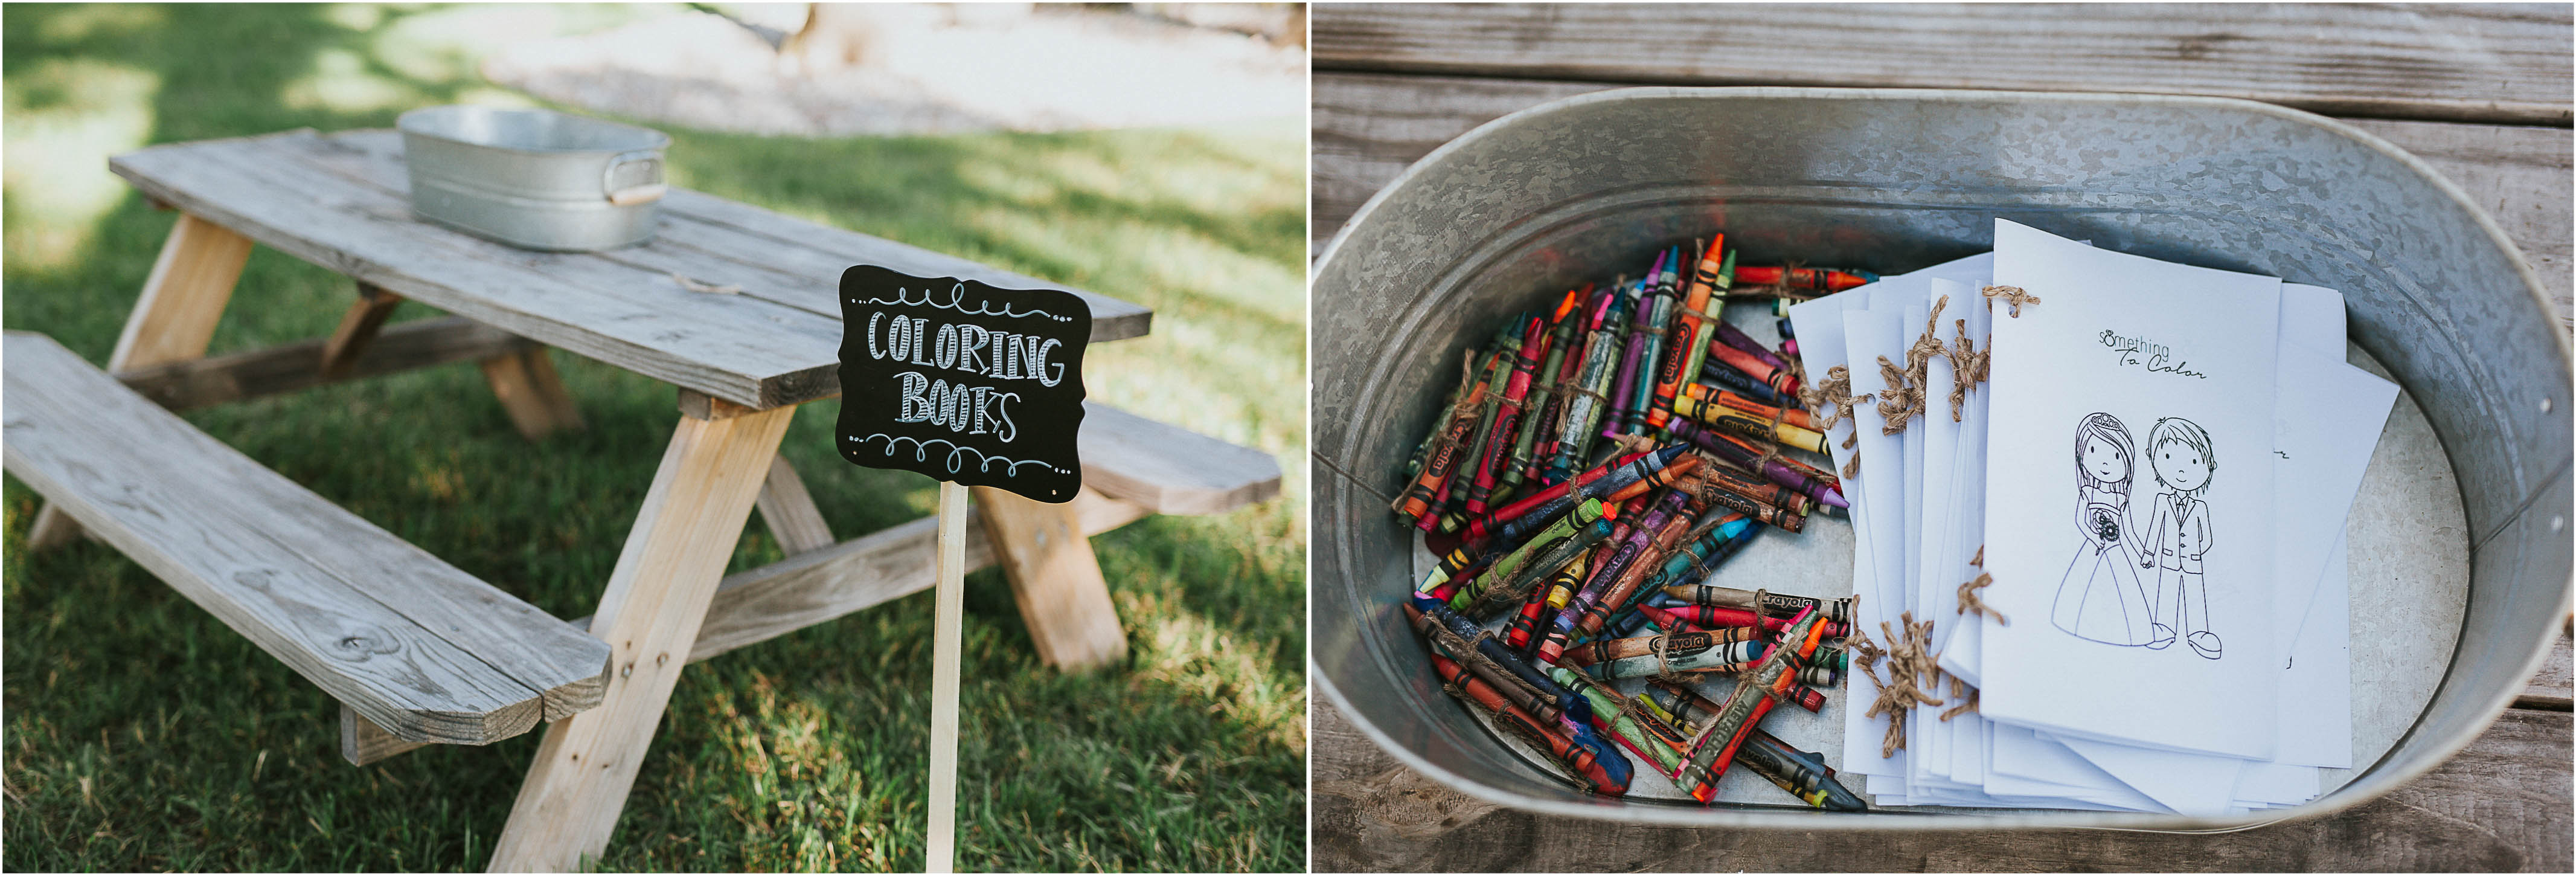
(1821,279)
(1507,418)
(1778,378)
(1714,616)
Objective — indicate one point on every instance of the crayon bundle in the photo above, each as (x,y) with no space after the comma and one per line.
(1582,488)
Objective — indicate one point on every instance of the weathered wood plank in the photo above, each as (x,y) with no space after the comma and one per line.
(756,605)
(1170,469)
(656,601)
(1054,578)
(358,327)
(770,257)
(742,349)
(417,646)
(172,321)
(788,510)
(2502,804)
(1368,128)
(531,393)
(1165,468)
(2485,63)
(363,743)
(422,343)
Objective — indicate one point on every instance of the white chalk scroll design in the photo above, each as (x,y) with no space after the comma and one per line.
(956,299)
(956,453)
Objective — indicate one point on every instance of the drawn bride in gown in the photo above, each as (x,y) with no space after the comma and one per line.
(2100,598)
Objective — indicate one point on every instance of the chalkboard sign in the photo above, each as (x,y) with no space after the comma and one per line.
(963,381)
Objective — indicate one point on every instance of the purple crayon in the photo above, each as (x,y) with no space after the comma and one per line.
(1777,470)
(1624,390)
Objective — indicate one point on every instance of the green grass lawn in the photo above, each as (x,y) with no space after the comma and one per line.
(141,734)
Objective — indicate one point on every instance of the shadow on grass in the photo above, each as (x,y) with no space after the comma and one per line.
(143,734)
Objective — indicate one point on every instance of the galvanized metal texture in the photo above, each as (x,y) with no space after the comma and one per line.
(1894,180)
(532,178)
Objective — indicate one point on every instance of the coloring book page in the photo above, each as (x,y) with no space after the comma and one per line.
(2130,504)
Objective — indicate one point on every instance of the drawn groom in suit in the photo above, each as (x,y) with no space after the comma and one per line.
(2177,534)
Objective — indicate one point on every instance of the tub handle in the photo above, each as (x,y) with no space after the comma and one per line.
(633,178)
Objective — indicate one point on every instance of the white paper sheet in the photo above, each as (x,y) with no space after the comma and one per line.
(2182,361)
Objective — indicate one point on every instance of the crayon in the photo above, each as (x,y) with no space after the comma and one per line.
(1584,410)
(1642,403)
(1732,646)
(1682,363)
(1425,492)
(1524,580)
(1780,379)
(1563,527)
(1712,616)
(1689,705)
(1794,416)
(1590,761)
(1763,512)
(1702,664)
(1776,604)
(1508,523)
(1748,425)
(1543,395)
(1715,746)
(1802,774)
(1494,651)
(1623,390)
(1419,480)
(1615,722)
(1715,372)
(1813,279)
(1661,541)
(1569,376)
(1523,624)
(1440,640)
(1560,592)
(1587,604)
(1507,416)
(1780,470)
(1491,390)
(1731,336)
(1459,559)
(1788,338)
(1725,279)
(1680,471)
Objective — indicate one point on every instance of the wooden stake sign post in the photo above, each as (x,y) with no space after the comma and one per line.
(977,386)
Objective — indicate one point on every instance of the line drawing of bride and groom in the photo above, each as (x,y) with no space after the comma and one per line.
(2105,596)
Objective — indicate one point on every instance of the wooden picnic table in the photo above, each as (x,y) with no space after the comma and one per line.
(2479,92)
(412,647)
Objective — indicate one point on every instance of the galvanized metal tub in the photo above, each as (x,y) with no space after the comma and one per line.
(532,178)
(1895,180)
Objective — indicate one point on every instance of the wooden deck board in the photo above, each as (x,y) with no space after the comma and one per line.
(2503,804)
(2487,63)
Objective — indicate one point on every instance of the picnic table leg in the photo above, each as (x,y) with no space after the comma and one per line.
(532,393)
(173,321)
(1055,578)
(365,318)
(789,511)
(656,599)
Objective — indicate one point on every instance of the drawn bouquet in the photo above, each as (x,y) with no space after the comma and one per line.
(2106,525)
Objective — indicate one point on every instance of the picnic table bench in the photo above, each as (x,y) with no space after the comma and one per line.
(2479,92)
(418,652)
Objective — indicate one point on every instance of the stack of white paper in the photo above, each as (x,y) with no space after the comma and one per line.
(2155,472)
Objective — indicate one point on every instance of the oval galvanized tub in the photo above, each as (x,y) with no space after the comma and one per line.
(2462,557)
